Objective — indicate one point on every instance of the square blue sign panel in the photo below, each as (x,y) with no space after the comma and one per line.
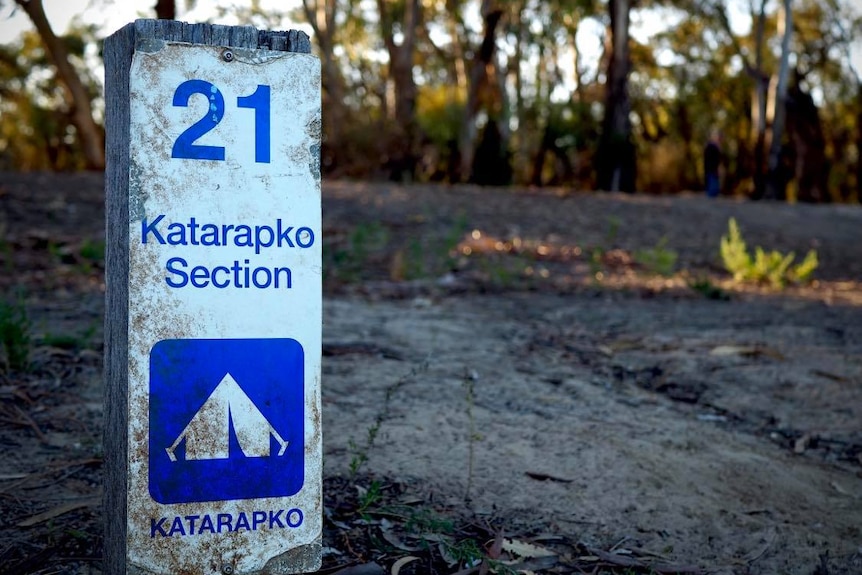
(227,419)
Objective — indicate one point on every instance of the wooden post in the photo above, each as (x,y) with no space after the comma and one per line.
(213,301)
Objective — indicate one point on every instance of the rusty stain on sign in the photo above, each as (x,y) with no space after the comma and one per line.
(224,468)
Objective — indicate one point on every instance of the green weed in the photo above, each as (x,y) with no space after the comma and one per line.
(6,252)
(454,236)
(614,224)
(367,238)
(596,263)
(370,497)
(82,340)
(708,290)
(428,257)
(596,255)
(464,551)
(359,452)
(348,261)
(658,260)
(770,267)
(470,378)
(93,252)
(502,272)
(426,521)
(414,267)
(62,341)
(91,255)
(15,329)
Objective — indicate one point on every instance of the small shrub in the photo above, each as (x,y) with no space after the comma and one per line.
(805,271)
(734,252)
(771,267)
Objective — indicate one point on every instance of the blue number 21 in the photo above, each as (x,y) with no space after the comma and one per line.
(185,147)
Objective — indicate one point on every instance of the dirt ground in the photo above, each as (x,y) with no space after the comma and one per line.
(508,359)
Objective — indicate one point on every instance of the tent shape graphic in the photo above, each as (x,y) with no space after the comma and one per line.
(207,435)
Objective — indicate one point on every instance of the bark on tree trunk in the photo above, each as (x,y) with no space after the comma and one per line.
(576,60)
(77,98)
(776,185)
(404,159)
(806,132)
(859,142)
(522,143)
(616,154)
(761,86)
(761,83)
(479,79)
(456,32)
(321,15)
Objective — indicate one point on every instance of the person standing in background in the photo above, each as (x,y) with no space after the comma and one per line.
(712,164)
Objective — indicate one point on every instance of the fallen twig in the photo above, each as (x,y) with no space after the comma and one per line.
(58,511)
(626,561)
(17,416)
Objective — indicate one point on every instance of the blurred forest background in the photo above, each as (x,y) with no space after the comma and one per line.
(587,94)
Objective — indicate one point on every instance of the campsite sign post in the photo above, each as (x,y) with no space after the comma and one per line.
(213,322)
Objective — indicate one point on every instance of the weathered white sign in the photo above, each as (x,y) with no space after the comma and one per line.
(224,338)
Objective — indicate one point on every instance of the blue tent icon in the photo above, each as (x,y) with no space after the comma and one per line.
(227,419)
(207,435)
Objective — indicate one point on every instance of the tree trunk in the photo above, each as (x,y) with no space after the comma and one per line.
(576,60)
(404,156)
(616,154)
(805,129)
(77,98)
(520,142)
(761,82)
(686,132)
(456,32)
(758,105)
(859,141)
(776,185)
(321,15)
(479,80)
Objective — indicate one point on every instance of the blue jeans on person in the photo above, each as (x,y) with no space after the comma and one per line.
(713,186)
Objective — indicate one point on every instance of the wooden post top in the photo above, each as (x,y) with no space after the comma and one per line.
(216,35)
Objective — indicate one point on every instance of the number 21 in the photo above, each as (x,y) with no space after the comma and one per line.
(185,147)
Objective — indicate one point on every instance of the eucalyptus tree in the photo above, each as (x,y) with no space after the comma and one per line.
(34,133)
(776,176)
(326,18)
(555,106)
(77,98)
(825,101)
(616,161)
(399,22)
(675,101)
(764,69)
(484,93)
